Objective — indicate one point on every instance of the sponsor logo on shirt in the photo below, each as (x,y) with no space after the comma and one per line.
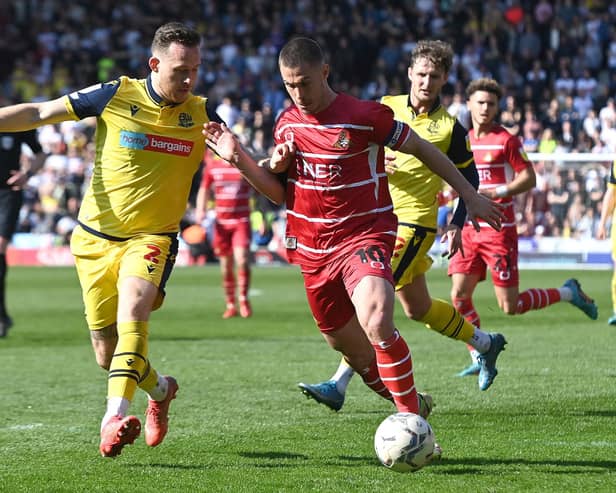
(155,143)
(319,171)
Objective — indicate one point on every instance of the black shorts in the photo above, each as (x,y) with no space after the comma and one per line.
(10,204)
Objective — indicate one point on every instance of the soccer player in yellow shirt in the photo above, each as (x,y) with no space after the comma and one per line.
(148,147)
(608,213)
(414,189)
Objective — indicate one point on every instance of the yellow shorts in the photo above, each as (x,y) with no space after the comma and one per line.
(410,258)
(101,263)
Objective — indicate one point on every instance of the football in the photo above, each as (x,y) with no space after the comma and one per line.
(404,442)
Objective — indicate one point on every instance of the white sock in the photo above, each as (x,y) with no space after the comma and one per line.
(480,340)
(565,294)
(474,356)
(342,377)
(159,392)
(116,406)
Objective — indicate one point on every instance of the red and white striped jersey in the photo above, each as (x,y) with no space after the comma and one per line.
(231,191)
(498,157)
(337,187)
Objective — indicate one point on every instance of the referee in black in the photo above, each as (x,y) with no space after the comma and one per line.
(15,171)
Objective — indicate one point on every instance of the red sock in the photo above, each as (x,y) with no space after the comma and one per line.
(372,379)
(243,282)
(395,365)
(535,299)
(228,284)
(467,309)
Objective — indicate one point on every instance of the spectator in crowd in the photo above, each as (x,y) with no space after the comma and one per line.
(558,199)
(547,141)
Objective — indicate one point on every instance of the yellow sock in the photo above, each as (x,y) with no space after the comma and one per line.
(445,319)
(149,380)
(129,363)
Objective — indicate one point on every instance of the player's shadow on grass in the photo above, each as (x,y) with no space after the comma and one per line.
(272,455)
(342,460)
(602,413)
(479,465)
(553,466)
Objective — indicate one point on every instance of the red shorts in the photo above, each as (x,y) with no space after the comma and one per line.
(230,236)
(329,287)
(496,250)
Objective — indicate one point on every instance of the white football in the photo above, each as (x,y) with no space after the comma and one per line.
(404,442)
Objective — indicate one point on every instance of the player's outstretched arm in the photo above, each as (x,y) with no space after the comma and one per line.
(26,116)
(224,143)
(523,182)
(477,206)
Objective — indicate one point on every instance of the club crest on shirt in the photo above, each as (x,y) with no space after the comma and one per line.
(290,242)
(344,141)
(488,158)
(433,127)
(185,120)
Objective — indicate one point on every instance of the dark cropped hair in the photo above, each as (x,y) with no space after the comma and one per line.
(438,52)
(301,51)
(484,84)
(174,32)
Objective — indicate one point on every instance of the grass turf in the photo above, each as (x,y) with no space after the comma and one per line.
(240,424)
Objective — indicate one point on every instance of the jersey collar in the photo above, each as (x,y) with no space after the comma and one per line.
(435,106)
(154,95)
(151,92)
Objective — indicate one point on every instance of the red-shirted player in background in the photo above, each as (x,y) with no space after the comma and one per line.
(504,171)
(232,234)
(340,223)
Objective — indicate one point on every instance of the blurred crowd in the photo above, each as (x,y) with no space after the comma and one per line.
(555,59)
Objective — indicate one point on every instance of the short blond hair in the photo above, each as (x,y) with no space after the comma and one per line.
(438,52)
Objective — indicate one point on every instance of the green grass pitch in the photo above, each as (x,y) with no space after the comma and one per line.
(239,423)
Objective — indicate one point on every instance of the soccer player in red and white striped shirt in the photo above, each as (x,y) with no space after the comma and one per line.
(232,234)
(504,171)
(340,222)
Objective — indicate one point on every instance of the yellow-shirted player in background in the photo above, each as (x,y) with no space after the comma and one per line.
(414,189)
(608,213)
(148,147)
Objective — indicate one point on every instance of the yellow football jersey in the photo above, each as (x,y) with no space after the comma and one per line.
(413,187)
(147,152)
